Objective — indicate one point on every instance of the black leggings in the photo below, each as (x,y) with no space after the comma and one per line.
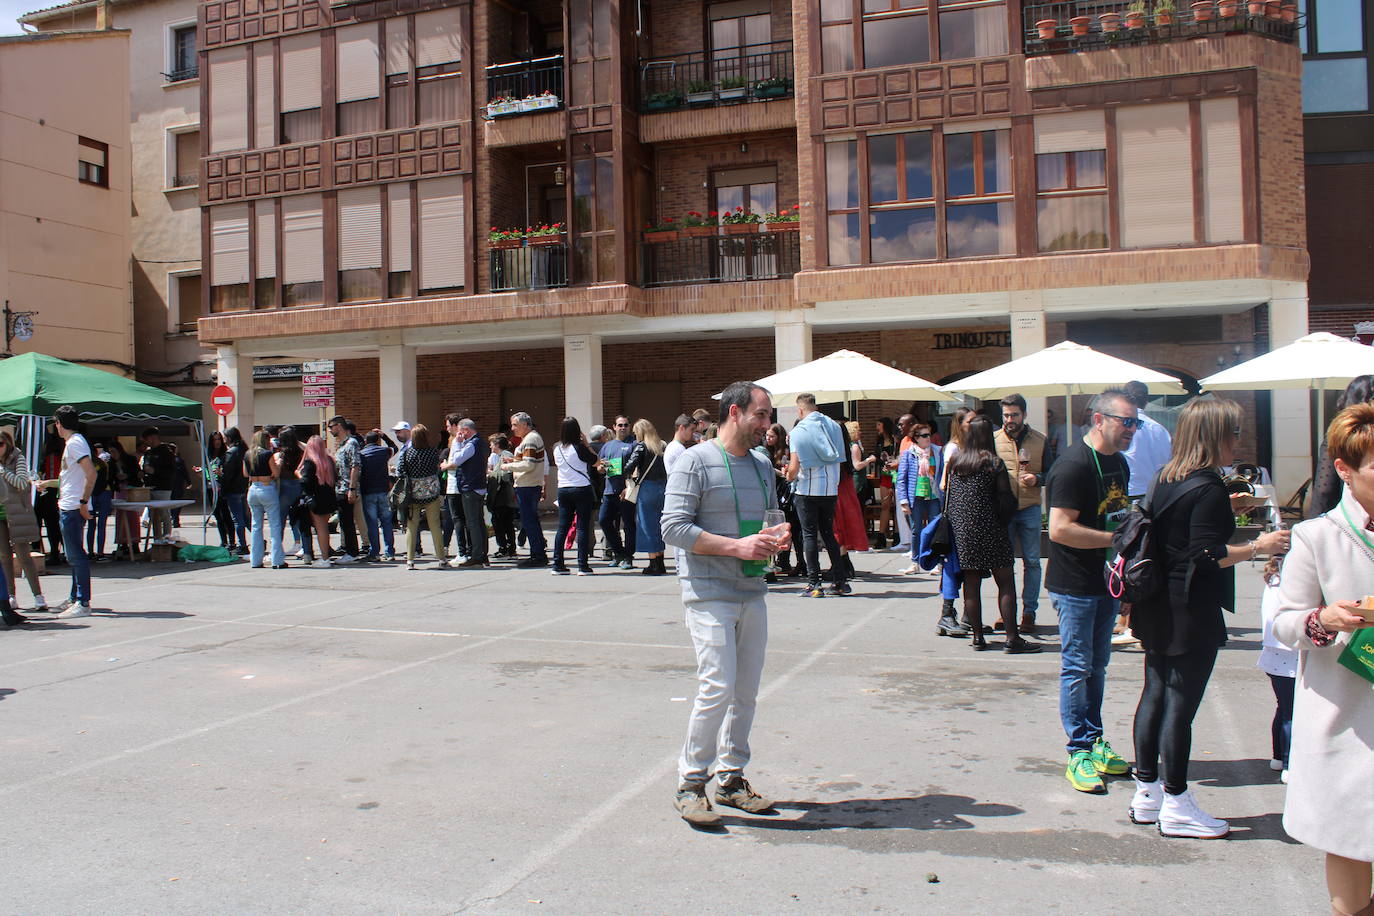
(1173,690)
(817,517)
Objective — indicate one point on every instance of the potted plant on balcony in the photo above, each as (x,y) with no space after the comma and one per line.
(1289,12)
(1135,15)
(546,234)
(775,87)
(1202,10)
(663,101)
(545,99)
(1226,9)
(1111,22)
(700,92)
(502,105)
(1079,25)
(786,221)
(1164,12)
(665,230)
(1255,8)
(698,226)
(1273,9)
(1047,28)
(505,238)
(740,221)
(731,89)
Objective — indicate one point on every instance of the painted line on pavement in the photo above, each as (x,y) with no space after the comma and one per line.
(507,881)
(600,604)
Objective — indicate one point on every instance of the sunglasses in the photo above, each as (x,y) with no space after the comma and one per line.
(1127,422)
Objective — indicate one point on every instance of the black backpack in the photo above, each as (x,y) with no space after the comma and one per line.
(1137,574)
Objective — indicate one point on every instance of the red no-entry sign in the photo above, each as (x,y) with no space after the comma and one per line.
(222,400)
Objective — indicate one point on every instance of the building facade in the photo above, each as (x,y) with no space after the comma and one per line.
(964,189)
(161,99)
(65,198)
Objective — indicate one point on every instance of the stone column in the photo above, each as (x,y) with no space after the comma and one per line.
(582,378)
(236,371)
(791,348)
(396,379)
(1027,337)
(1291,413)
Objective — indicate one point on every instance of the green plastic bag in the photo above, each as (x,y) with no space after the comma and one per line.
(204,553)
(1359,654)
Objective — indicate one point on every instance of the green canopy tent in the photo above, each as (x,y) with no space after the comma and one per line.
(33,386)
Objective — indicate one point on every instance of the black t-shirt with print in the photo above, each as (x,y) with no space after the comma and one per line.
(1095,485)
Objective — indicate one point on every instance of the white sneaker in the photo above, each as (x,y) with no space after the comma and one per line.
(299,554)
(40,603)
(900,548)
(345,559)
(1145,803)
(1180,816)
(76,610)
(911,570)
(321,564)
(1124,639)
(1275,764)
(1283,776)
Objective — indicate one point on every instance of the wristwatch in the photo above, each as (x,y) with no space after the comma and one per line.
(84,501)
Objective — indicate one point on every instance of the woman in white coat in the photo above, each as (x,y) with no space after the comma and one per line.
(1330,568)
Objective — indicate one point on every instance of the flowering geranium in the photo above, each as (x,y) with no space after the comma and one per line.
(694,219)
(792,215)
(665,224)
(505,235)
(741,215)
(545,229)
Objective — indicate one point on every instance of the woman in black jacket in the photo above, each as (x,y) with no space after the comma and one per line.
(318,476)
(1182,630)
(233,487)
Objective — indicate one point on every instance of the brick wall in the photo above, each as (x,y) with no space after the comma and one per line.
(681,171)
(680,28)
(1340,199)
(357,392)
(1278,110)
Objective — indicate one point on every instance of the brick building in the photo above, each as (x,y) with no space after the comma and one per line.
(967,190)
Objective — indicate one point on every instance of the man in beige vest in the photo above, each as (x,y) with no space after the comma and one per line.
(1028,459)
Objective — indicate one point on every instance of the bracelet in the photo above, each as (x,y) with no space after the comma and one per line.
(1314,630)
(1254,548)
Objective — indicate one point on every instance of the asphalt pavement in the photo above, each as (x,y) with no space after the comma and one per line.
(372,740)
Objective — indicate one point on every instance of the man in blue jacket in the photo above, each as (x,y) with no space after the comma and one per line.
(618,516)
(817,448)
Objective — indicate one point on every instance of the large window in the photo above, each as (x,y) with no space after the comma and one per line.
(1071,203)
(1335,71)
(360,251)
(229,257)
(869,34)
(979,214)
(901,187)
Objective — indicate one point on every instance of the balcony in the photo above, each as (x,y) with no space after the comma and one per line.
(720,258)
(528,267)
(181,76)
(725,76)
(1087,25)
(525,86)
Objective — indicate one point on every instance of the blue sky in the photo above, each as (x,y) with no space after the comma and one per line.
(11,9)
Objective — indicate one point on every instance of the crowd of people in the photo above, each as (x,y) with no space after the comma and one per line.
(745,502)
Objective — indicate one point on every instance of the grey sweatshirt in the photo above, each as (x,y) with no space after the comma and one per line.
(699,499)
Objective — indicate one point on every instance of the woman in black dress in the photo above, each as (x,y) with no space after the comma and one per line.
(979,505)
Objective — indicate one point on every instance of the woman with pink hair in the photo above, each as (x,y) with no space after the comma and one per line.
(318,475)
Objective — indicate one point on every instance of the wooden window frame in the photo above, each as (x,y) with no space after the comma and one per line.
(858,16)
(91,173)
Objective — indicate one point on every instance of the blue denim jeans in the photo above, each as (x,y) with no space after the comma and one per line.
(922,511)
(377,511)
(1085,632)
(238,511)
(288,491)
(102,504)
(528,500)
(74,543)
(264,505)
(1024,529)
(575,503)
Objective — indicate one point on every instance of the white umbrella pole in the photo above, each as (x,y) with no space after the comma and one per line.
(1068,420)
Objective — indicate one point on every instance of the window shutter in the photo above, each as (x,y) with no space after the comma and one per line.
(1156,193)
(267,239)
(398,215)
(441,232)
(1221,173)
(229,244)
(397,46)
(90,154)
(300,72)
(1070,132)
(303,239)
(188,154)
(359,56)
(436,37)
(228,99)
(974,127)
(264,99)
(360,228)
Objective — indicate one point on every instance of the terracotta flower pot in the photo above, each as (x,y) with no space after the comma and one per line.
(666,236)
(1273,9)
(700,232)
(1110,21)
(536,241)
(783,227)
(1227,9)
(506,243)
(1135,20)
(1079,24)
(1202,10)
(1289,12)
(1255,7)
(1164,17)
(1047,28)
(741,228)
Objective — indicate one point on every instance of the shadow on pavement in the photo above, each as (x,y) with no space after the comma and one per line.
(6,691)
(1229,774)
(1260,827)
(920,812)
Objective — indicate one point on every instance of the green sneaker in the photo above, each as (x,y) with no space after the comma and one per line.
(1107,760)
(1081,773)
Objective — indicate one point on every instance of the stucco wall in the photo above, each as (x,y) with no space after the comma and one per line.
(66,243)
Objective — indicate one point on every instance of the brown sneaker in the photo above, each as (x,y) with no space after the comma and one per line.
(691,803)
(734,790)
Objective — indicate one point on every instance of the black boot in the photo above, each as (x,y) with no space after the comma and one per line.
(949,624)
(9,615)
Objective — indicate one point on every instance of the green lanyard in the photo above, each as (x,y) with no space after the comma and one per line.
(739,519)
(1356,528)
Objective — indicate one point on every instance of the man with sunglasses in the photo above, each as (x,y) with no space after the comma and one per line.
(1088,488)
(617,515)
